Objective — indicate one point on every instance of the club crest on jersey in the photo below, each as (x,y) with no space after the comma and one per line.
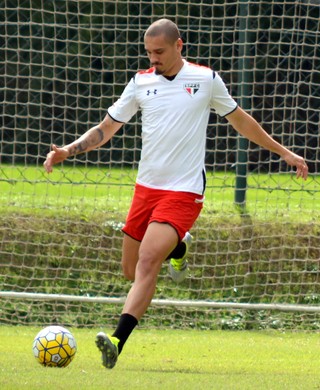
(191,88)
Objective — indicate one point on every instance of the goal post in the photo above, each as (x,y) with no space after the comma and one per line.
(62,65)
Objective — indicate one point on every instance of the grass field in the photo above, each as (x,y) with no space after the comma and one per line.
(77,189)
(163,359)
(160,359)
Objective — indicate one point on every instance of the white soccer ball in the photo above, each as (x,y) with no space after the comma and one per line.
(54,346)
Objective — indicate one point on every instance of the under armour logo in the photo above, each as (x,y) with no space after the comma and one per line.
(154,92)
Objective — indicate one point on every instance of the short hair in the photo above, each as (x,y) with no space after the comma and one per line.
(165,27)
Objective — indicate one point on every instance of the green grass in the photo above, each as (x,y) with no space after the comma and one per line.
(160,359)
(52,223)
(81,190)
(157,359)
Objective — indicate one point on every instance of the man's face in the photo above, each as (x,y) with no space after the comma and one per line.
(163,55)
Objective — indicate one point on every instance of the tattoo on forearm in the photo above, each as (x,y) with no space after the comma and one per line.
(90,140)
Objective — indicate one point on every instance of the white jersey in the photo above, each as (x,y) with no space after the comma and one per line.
(175,117)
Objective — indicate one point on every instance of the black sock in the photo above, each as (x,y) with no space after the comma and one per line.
(179,251)
(126,324)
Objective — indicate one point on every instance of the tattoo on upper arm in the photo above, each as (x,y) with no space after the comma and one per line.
(90,140)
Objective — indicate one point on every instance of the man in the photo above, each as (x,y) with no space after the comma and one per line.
(175,98)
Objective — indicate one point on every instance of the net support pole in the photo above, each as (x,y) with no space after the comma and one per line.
(244,92)
(161,302)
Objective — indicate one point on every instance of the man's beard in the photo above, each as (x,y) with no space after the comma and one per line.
(157,71)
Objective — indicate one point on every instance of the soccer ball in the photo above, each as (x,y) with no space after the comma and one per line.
(54,346)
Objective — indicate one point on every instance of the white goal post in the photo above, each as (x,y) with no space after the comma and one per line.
(162,302)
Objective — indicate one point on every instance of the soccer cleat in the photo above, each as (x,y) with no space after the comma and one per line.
(178,268)
(108,347)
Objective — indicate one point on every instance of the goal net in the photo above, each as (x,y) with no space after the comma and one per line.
(254,260)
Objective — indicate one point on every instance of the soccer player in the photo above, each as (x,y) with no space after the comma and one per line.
(175,98)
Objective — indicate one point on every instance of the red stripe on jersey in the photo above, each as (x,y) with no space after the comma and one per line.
(150,70)
(197,65)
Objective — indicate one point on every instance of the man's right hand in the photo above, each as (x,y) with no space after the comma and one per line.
(55,156)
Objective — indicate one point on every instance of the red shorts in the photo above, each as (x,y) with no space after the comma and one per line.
(178,209)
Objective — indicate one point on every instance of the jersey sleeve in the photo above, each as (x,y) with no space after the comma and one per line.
(126,106)
(221,101)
